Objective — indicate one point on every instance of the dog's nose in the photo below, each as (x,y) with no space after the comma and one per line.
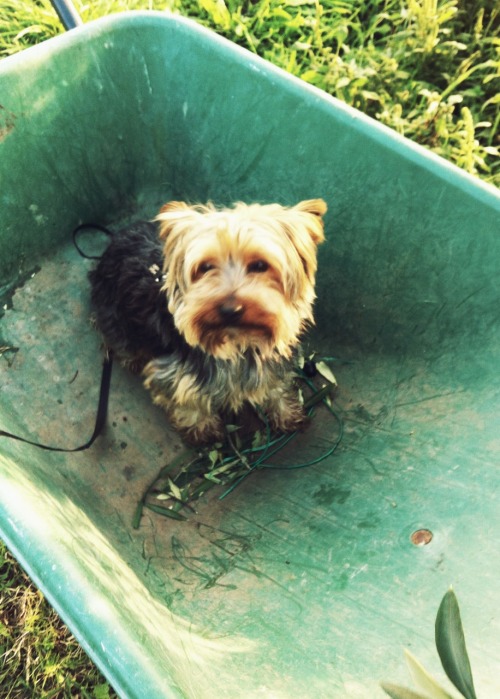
(230,310)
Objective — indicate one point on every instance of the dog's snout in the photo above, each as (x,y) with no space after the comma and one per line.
(230,310)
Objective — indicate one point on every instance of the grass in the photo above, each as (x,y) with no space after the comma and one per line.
(39,657)
(430,69)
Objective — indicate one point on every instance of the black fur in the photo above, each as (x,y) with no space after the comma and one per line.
(131,311)
(129,304)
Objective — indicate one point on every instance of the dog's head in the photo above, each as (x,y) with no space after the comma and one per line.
(241,277)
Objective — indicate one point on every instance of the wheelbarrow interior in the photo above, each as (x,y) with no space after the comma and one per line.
(302,582)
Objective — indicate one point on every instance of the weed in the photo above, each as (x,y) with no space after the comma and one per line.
(38,656)
(429,69)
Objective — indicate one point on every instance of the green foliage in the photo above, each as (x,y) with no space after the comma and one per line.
(424,680)
(397,692)
(24,23)
(425,68)
(38,656)
(429,69)
(450,644)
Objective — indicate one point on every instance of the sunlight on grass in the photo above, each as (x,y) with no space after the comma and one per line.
(38,655)
(427,68)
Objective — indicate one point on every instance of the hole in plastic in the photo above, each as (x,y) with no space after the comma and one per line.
(421,537)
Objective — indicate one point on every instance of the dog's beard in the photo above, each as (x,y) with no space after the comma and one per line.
(268,333)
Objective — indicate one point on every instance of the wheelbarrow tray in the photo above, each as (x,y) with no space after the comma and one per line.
(304,582)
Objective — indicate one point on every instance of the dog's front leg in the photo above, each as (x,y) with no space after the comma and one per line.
(188,405)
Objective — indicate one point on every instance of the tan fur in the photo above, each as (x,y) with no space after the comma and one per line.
(209,258)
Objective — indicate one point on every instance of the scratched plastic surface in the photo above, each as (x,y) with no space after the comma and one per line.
(301,583)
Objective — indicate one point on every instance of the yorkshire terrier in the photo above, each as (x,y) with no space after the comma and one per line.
(209,304)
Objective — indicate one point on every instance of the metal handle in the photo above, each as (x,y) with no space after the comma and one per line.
(67,13)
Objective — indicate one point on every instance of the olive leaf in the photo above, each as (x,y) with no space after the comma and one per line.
(424,680)
(213,457)
(325,371)
(174,490)
(397,692)
(450,644)
(165,511)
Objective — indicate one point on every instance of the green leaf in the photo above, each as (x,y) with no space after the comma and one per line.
(424,680)
(212,475)
(397,692)
(136,520)
(318,396)
(165,512)
(450,643)
(310,76)
(258,439)
(218,11)
(101,691)
(175,490)
(326,372)
(213,457)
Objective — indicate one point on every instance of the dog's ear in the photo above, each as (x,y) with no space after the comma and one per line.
(173,206)
(303,226)
(316,208)
(170,214)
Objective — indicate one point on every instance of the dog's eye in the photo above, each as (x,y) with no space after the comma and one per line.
(205,267)
(257,266)
(202,269)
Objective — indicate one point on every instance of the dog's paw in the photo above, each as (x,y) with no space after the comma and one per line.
(202,432)
(292,419)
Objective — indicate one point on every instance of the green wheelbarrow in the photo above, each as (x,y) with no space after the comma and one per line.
(302,582)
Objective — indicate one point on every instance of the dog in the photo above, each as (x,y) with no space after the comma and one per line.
(209,304)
